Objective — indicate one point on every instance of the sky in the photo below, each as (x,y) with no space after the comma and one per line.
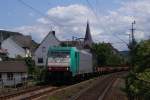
(110,20)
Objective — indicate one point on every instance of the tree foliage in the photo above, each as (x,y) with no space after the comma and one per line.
(105,54)
(142,56)
(31,65)
(138,80)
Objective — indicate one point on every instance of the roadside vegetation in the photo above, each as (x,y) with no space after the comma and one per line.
(138,80)
(37,74)
(105,55)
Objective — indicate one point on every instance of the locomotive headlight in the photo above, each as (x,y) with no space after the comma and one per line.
(67,68)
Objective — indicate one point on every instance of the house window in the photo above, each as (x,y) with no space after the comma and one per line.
(43,49)
(10,76)
(40,60)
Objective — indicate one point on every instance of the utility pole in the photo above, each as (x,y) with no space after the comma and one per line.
(132,32)
(132,41)
(132,45)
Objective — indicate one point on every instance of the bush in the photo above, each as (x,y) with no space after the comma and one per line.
(138,80)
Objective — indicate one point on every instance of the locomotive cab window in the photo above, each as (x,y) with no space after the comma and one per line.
(59,58)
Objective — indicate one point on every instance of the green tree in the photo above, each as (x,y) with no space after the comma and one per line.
(38,74)
(142,56)
(138,80)
(105,54)
(31,65)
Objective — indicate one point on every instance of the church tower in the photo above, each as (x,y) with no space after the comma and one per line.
(88,38)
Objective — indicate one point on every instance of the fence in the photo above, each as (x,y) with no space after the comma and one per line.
(15,84)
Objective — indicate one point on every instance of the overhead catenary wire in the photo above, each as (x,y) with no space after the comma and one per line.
(29,6)
(39,12)
(121,40)
(98,8)
(91,7)
(117,37)
(55,22)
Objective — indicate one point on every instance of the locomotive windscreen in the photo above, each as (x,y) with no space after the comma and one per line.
(59,59)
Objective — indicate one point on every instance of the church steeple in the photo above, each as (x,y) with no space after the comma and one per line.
(88,38)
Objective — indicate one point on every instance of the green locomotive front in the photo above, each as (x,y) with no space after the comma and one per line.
(68,62)
(62,62)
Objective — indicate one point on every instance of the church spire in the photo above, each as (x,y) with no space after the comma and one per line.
(88,38)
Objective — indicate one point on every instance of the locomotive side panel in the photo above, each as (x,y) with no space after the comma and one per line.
(85,63)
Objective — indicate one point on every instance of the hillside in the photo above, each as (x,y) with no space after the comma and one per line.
(5,34)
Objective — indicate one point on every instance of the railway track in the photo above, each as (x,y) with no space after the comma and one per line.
(95,92)
(29,94)
(16,93)
(98,90)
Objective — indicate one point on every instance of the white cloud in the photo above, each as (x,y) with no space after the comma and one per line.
(43,20)
(71,20)
(38,32)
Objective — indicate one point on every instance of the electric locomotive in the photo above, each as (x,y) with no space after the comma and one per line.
(64,63)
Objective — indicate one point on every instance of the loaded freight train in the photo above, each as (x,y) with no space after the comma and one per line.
(67,62)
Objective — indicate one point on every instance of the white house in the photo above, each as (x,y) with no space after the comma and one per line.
(12,72)
(18,45)
(40,54)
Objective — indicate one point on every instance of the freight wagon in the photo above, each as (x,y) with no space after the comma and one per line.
(67,62)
